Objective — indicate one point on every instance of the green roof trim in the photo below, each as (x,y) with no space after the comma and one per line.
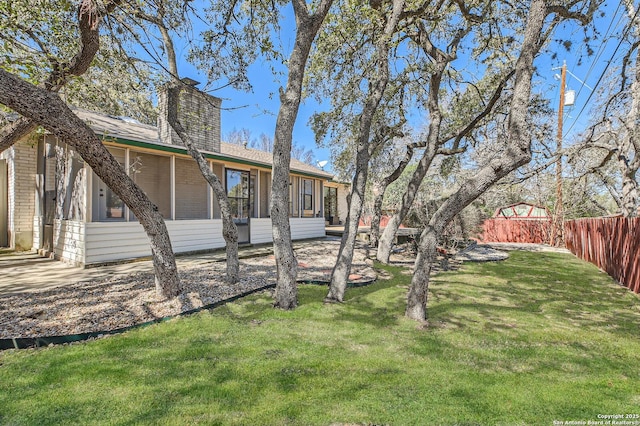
(182,150)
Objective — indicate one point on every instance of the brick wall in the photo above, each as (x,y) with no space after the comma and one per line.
(198,112)
(21,171)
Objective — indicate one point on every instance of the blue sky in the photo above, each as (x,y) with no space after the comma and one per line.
(582,67)
(257,110)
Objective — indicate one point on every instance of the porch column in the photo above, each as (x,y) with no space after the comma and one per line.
(321,195)
(300,199)
(172,171)
(256,195)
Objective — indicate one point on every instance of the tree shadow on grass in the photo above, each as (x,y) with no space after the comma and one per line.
(557,290)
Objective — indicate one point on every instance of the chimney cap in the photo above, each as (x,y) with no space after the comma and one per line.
(189,82)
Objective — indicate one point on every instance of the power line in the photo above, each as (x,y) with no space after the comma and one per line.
(605,40)
(622,38)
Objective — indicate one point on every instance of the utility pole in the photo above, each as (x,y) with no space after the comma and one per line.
(557,227)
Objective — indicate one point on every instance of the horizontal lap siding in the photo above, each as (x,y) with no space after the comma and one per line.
(302,228)
(261,231)
(612,244)
(118,241)
(69,241)
(192,235)
(100,242)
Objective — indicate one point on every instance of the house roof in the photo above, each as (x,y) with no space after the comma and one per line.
(131,132)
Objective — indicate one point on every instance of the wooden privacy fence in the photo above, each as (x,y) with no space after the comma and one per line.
(612,244)
(503,230)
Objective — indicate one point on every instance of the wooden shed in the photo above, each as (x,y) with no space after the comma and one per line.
(518,223)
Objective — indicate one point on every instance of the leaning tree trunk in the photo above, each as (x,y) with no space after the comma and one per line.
(434,142)
(286,293)
(12,133)
(374,231)
(229,228)
(518,153)
(386,241)
(380,189)
(342,268)
(435,120)
(49,111)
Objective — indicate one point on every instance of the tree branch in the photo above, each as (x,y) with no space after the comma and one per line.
(497,94)
(89,18)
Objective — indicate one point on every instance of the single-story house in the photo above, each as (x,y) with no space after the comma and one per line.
(55,203)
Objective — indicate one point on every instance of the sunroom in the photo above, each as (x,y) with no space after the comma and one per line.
(80,220)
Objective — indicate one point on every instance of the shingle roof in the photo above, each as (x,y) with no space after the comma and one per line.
(128,130)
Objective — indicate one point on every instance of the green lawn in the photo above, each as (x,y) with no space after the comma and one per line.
(537,338)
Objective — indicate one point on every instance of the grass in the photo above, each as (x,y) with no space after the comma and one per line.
(537,338)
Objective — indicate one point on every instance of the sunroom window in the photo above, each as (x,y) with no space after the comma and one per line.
(192,191)
(152,173)
(307,197)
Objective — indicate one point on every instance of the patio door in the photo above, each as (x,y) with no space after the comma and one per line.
(49,185)
(107,206)
(240,195)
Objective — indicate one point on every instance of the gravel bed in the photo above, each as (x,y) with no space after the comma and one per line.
(481,253)
(122,301)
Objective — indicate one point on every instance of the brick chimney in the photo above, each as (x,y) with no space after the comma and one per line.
(199,114)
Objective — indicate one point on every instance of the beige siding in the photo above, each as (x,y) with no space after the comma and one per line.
(218,170)
(343,206)
(261,231)
(192,191)
(311,227)
(265,193)
(153,174)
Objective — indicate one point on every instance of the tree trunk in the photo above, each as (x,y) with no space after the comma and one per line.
(49,111)
(441,60)
(388,236)
(629,199)
(379,193)
(12,133)
(229,228)
(342,268)
(374,233)
(286,293)
(419,290)
(518,153)
(629,152)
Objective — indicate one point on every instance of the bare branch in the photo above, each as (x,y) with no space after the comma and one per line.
(497,94)
(89,18)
